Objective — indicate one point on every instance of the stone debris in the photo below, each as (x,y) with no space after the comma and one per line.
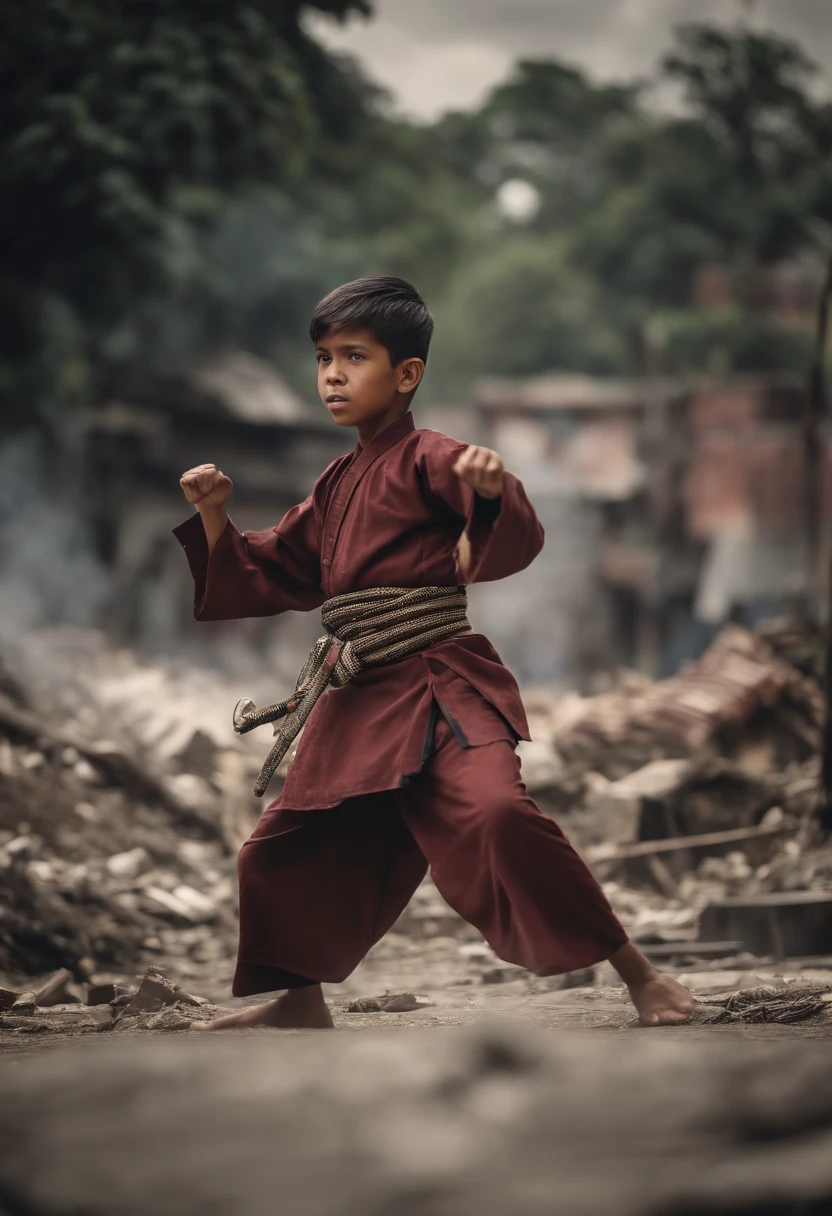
(124,799)
(57,989)
(25,1005)
(7,998)
(107,992)
(188,999)
(169,1019)
(112,849)
(395,1002)
(712,704)
(73,1017)
(155,1003)
(23,1025)
(129,864)
(402,1002)
(680,793)
(154,992)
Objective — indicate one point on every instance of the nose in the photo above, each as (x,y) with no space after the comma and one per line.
(334,374)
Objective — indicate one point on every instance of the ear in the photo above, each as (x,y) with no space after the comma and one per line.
(410,375)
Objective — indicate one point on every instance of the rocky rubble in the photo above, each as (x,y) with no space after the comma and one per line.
(687,793)
(124,795)
(62,1006)
(715,749)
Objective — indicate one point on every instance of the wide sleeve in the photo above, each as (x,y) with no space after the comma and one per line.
(504,534)
(254,573)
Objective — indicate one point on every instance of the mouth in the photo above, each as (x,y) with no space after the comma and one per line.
(336,401)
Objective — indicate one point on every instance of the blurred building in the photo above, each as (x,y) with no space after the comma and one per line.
(234,411)
(786,291)
(669,508)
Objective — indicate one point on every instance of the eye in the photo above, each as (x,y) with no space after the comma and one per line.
(355,355)
(322,358)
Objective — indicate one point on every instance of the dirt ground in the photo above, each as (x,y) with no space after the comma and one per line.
(502,1092)
(453,993)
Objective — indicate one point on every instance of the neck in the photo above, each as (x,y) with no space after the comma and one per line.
(369,430)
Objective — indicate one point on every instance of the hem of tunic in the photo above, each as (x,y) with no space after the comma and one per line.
(427,751)
(267,978)
(250,979)
(361,792)
(592,958)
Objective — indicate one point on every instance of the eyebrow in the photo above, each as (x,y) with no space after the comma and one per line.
(342,346)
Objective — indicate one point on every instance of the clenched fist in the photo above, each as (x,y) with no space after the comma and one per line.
(206,486)
(483,470)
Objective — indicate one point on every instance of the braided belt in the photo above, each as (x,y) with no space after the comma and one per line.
(364,629)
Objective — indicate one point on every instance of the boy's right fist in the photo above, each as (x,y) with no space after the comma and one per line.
(206,485)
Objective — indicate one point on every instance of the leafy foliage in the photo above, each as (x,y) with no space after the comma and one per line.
(180,177)
(127,128)
(638,203)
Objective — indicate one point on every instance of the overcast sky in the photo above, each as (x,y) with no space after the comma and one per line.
(438,54)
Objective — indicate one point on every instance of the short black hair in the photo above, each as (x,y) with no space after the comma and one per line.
(391,308)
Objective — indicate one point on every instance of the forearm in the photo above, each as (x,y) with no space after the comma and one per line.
(248,574)
(214,520)
(504,534)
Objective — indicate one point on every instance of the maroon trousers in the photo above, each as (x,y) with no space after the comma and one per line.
(319,888)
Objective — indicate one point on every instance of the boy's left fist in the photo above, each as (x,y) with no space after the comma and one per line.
(483,470)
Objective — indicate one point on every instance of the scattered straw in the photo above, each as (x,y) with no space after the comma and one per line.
(767,1003)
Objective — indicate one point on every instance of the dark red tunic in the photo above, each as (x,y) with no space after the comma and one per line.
(388,515)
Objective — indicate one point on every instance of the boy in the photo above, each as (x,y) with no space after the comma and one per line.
(409,760)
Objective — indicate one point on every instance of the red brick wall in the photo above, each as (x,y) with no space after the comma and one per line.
(746,463)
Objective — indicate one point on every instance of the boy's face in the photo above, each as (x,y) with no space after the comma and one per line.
(356,381)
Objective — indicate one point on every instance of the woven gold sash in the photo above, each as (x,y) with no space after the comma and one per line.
(364,629)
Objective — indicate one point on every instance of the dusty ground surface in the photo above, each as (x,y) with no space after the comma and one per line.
(593,1014)
(423,1122)
(448,979)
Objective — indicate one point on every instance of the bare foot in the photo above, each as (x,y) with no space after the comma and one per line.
(661,1001)
(297,1009)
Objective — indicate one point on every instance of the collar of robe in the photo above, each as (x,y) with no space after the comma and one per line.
(361,461)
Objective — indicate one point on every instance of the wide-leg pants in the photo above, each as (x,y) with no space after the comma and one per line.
(319,888)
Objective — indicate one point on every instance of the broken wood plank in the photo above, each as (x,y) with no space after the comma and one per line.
(7,998)
(672,844)
(688,948)
(786,924)
(661,876)
(24,1006)
(55,989)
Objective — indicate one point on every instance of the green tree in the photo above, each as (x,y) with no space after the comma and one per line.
(124,130)
(523,309)
(752,93)
(552,127)
(636,201)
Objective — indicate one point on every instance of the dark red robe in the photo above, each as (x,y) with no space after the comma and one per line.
(418,757)
(388,515)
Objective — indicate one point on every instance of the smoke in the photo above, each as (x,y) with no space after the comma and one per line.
(49,574)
